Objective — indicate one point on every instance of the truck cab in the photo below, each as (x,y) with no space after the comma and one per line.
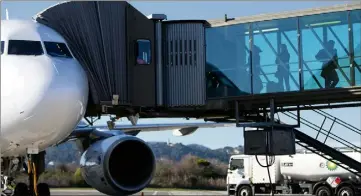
(238,175)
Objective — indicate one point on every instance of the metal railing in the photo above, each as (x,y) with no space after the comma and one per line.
(320,129)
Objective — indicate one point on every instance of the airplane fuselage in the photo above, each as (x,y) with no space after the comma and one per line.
(44,89)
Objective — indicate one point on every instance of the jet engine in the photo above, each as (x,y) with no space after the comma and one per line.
(118,165)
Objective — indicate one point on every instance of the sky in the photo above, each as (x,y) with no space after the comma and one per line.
(215,137)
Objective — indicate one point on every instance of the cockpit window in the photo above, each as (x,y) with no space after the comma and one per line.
(57,49)
(2,47)
(25,47)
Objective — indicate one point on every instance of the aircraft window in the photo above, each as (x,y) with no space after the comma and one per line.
(2,47)
(143,48)
(56,49)
(25,47)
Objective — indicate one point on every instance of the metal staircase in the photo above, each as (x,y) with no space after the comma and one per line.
(325,151)
(328,133)
(328,153)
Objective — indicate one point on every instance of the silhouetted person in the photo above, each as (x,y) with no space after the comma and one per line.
(329,59)
(43,189)
(256,69)
(283,67)
(21,189)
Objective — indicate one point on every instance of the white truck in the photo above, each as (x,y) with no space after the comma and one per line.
(302,173)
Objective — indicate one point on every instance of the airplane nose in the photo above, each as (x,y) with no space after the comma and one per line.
(65,102)
(70,79)
(70,90)
(42,98)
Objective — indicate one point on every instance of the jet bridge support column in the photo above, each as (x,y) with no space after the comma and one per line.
(158,18)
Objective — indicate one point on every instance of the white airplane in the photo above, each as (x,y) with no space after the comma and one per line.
(44,94)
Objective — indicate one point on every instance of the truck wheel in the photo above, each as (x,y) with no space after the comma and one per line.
(345,191)
(323,191)
(244,191)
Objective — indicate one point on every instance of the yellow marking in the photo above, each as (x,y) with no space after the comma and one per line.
(35,180)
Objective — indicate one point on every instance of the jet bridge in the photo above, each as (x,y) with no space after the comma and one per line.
(195,68)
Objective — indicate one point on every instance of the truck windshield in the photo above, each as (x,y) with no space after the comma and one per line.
(236,164)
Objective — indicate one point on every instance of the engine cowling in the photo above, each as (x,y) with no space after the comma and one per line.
(118,165)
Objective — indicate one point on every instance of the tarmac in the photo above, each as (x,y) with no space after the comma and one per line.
(66,192)
(90,192)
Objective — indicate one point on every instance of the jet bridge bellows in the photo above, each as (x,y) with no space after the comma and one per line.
(106,38)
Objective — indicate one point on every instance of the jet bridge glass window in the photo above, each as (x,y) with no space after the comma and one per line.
(325,50)
(355,18)
(143,52)
(25,47)
(227,66)
(56,49)
(2,47)
(237,164)
(275,59)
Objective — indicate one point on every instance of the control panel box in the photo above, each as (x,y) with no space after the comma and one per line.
(276,141)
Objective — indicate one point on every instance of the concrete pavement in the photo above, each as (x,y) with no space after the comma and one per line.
(160,192)
(90,192)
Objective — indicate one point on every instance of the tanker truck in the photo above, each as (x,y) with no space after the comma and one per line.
(301,173)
